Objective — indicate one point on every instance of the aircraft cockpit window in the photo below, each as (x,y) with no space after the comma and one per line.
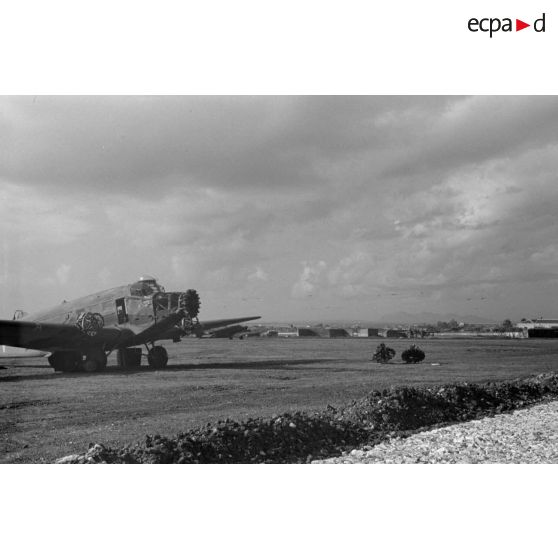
(146,287)
(140,289)
(156,287)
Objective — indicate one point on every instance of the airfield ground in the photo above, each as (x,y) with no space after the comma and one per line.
(45,415)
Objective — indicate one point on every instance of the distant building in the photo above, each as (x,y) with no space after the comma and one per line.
(459,334)
(270,333)
(393,333)
(397,333)
(287,333)
(337,332)
(366,332)
(306,332)
(539,327)
(549,324)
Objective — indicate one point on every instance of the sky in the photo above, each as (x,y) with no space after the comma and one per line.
(292,208)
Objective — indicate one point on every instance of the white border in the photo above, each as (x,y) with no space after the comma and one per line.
(272,47)
(316,510)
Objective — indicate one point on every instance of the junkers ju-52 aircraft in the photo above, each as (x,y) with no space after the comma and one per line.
(80,334)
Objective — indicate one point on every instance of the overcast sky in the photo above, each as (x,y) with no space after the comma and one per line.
(295,208)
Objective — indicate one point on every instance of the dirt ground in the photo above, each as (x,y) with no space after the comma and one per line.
(45,415)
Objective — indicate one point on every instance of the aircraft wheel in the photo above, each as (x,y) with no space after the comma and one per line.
(95,362)
(64,361)
(157,357)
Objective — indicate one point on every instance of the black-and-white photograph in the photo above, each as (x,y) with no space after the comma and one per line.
(278,279)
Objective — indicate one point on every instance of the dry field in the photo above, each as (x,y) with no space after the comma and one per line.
(45,415)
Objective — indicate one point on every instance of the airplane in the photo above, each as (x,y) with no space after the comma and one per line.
(80,334)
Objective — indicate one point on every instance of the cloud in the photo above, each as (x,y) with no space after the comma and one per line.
(475,130)
(309,279)
(422,202)
(104,276)
(351,274)
(258,275)
(30,218)
(141,143)
(145,144)
(62,273)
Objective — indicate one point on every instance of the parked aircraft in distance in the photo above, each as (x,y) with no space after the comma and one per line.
(80,334)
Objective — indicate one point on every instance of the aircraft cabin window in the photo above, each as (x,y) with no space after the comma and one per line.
(136,289)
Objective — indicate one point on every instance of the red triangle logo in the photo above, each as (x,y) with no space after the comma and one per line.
(519,25)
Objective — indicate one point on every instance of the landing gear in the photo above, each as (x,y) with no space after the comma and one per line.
(70,361)
(65,361)
(95,361)
(157,357)
(129,358)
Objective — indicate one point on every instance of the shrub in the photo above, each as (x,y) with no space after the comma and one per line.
(413,354)
(383,354)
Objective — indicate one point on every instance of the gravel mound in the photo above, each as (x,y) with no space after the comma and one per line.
(304,437)
(526,436)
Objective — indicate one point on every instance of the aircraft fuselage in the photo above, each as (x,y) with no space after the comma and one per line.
(117,307)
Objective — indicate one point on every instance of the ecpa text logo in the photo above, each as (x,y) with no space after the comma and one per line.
(494,24)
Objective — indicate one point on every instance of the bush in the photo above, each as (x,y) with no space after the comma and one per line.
(413,354)
(383,354)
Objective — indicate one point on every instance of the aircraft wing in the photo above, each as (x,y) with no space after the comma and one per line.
(199,329)
(158,330)
(56,337)
(210,325)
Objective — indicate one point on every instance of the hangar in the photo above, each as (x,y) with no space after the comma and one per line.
(366,332)
(539,327)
